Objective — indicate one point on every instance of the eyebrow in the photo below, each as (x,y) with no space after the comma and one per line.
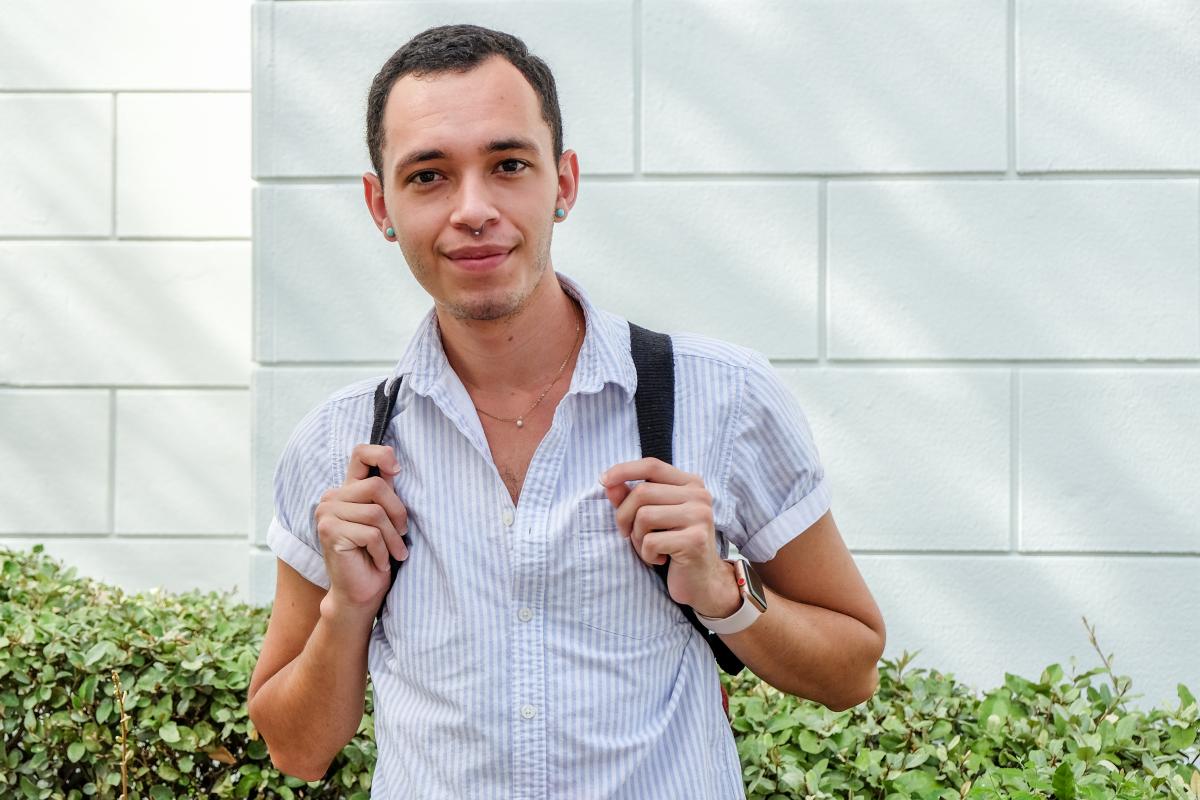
(494,146)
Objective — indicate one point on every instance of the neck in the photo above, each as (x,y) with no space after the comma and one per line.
(516,356)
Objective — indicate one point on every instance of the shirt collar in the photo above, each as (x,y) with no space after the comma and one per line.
(603,358)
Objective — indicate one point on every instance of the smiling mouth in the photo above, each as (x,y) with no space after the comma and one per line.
(481,262)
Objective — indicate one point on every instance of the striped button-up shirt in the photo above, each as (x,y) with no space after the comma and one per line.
(526,651)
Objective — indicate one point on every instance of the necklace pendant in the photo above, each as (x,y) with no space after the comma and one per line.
(520,422)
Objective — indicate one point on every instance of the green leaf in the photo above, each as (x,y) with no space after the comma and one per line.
(809,742)
(812,778)
(1051,676)
(161,793)
(169,733)
(1179,738)
(792,778)
(997,704)
(98,651)
(914,782)
(75,751)
(1064,782)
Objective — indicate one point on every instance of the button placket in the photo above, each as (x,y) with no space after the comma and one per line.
(528,545)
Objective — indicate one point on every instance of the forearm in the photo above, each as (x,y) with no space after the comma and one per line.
(810,652)
(310,709)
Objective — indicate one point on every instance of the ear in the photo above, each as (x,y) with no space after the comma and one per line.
(568,181)
(373,194)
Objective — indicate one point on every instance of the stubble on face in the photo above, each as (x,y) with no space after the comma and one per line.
(499,304)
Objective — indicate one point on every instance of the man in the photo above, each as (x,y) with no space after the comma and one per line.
(526,649)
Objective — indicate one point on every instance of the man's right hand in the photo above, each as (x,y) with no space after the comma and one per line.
(359,523)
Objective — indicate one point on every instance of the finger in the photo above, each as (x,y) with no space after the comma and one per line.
(646,469)
(374,516)
(654,518)
(658,546)
(395,516)
(346,535)
(617,493)
(378,490)
(646,494)
(365,456)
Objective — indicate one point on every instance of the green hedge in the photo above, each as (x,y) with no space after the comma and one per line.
(91,677)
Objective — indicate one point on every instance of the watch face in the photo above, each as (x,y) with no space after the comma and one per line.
(754,586)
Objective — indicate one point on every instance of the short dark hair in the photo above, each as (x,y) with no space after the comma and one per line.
(458,48)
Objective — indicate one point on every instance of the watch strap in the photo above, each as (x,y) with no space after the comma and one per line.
(739,620)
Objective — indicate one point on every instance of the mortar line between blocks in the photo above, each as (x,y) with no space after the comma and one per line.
(1010,116)
(822,271)
(112,230)
(637,89)
(112,462)
(1014,446)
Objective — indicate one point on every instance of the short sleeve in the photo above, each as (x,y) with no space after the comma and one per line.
(776,482)
(303,473)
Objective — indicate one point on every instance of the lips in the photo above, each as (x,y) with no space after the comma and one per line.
(478,257)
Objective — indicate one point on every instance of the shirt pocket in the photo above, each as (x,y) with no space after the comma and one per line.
(618,592)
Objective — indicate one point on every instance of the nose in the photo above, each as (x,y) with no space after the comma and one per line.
(473,207)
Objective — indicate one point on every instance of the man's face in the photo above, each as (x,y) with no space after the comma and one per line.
(465,152)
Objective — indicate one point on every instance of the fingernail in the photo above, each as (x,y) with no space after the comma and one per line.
(394,468)
(603,475)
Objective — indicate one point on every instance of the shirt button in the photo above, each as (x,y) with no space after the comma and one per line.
(528,711)
(525,615)
(508,518)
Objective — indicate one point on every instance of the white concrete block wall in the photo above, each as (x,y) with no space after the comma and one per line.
(968,235)
(125,288)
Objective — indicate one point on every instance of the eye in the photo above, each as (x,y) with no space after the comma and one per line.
(512,166)
(424,177)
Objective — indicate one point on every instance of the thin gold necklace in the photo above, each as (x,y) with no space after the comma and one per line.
(521,419)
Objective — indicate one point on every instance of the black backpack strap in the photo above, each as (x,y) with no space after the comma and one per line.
(385,403)
(654,359)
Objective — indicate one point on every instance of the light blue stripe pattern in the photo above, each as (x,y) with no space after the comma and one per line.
(526,652)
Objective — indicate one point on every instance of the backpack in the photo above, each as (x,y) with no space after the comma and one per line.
(654,399)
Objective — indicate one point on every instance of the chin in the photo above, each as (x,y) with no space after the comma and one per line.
(485,305)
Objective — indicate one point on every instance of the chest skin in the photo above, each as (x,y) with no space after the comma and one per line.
(513,448)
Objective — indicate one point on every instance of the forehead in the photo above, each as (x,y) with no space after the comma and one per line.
(454,111)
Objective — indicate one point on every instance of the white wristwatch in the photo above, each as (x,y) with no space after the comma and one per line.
(754,600)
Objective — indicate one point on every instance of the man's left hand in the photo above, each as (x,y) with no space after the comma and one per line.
(670,515)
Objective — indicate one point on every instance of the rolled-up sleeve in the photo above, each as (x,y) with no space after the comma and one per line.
(776,482)
(303,473)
